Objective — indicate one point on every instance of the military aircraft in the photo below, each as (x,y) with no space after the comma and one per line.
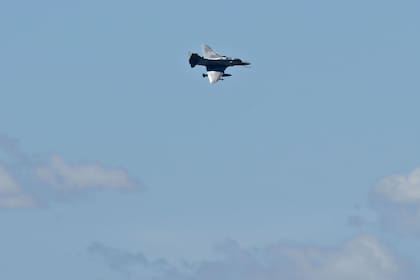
(215,63)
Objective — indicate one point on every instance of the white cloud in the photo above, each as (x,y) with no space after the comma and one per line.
(11,195)
(83,176)
(400,188)
(46,180)
(363,257)
(396,199)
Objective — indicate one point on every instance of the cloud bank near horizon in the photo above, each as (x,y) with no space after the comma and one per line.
(363,257)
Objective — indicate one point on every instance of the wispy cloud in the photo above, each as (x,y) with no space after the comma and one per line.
(11,194)
(83,176)
(26,181)
(10,146)
(126,263)
(117,259)
(363,257)
(397,201)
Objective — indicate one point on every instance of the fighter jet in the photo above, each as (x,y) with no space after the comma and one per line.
(215,63)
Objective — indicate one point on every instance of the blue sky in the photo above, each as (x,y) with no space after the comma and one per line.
(119,161)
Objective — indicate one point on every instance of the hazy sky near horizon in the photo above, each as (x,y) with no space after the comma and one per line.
(119,161)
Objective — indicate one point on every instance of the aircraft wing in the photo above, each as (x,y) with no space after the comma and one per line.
(215,73)
(208,53)
(214,76)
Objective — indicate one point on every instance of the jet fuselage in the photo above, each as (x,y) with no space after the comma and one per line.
(224,62)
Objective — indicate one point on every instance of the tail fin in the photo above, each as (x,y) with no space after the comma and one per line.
(194,59)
